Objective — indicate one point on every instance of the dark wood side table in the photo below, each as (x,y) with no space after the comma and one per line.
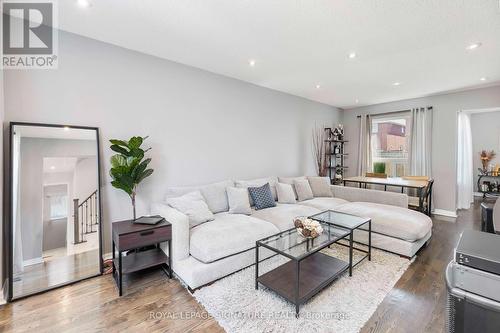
(129,236)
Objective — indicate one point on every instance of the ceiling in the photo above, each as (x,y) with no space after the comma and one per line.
(59,164)
(301,47)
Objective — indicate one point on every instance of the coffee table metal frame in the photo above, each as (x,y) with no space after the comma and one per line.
(351,228)
(328,267)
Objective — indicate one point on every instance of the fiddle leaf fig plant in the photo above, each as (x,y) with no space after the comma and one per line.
(129,167)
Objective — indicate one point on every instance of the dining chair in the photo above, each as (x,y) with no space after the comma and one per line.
(414,201)
(376,175)
(426,178)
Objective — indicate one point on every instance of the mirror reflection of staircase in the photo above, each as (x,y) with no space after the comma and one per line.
(85,218)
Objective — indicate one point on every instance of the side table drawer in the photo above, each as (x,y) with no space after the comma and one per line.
(143,238)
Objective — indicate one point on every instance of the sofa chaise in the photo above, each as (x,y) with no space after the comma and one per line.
(215,249)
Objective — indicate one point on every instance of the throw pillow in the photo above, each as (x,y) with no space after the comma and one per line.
(194,206)
(238,201)
(290,180)
(320,186)
(262,196)
(303,189)
(286,194)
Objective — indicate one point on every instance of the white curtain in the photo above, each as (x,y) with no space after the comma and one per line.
(465,195)
(421,142)
(364,145)
(16,205)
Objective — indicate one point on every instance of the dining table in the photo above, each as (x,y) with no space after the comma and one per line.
(398,182)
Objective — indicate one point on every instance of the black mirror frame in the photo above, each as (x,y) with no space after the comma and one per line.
(8,236)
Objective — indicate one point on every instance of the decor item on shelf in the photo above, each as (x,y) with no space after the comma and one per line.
(335,154)
(486,157)
(379,167)
(340,130)
(128,167)
(307,227)
(318,142)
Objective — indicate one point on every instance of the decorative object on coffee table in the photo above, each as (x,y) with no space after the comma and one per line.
(307,227)
(131,236)
(128,167)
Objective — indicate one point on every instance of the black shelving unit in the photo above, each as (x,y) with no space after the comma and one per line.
(488,175)
(335,157)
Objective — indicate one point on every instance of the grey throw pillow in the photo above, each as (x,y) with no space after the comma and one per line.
(238,201)
(286,193)
(320,186)
(303,189)
(194,206)
(262,196)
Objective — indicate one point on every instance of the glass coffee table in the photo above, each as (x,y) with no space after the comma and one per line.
(308,271)
(351,223)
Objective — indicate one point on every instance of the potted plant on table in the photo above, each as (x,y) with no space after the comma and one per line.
(128,166)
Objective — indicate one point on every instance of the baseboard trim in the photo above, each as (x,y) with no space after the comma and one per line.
(446,213)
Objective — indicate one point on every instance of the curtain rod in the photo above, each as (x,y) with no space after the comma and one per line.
(389,113)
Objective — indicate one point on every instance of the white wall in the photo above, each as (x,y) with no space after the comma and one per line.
(203,127)
(485,129)
(2,117)
(444,141)
(85,178)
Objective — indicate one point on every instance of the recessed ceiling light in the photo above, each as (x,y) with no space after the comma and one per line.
(396,84)
(251,62)
(473,46)
(52,167)
(318,86)
(66,128)
(352,55)
(83,3)
(482,79)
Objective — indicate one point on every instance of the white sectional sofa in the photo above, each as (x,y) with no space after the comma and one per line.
(214,249)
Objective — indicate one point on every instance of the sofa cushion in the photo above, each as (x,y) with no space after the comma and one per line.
(226,235)
(320,186)
(194,206)
(262,196)
(398,222)
(282,215)
(324,203)
(259,182)
(286,193)
(303,189)
(291,180)
(238,201)
(214,194)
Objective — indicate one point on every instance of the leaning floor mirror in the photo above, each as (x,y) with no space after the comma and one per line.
(54,234)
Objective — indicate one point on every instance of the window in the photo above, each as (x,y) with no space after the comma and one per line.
(58,207)
(390,144)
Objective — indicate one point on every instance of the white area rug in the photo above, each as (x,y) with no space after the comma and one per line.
(344,306)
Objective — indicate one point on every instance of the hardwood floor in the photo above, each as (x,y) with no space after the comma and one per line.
(56,271)
(417,301)
(416,304)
